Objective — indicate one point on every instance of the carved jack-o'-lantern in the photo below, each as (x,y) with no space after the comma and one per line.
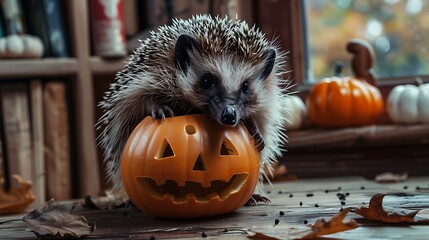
(189,166)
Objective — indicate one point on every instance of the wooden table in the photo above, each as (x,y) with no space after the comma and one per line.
(285,196)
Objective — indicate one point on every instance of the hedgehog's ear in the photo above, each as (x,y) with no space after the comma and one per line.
(269,60)
(184,44)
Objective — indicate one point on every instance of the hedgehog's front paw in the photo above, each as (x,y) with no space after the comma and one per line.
(162,112)
(257,198)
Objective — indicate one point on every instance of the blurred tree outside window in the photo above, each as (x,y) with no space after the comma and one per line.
(398,30)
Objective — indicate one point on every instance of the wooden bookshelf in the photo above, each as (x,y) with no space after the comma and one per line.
(47,67)
(106,66)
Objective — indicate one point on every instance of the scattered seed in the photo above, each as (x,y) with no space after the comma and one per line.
(305,221)
(339,188)
(281,213)
(310,194)
(347,194)
(405,187)
(268,192)
(290,195)
(203,234)
(326,191)
(280,191)
(341,209)
(352,210)
(316,205)
(276,221)
(362,188)
(300,203)
(417,188)
(343,203)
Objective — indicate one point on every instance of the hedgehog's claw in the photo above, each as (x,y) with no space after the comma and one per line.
(162,113)
(256,198)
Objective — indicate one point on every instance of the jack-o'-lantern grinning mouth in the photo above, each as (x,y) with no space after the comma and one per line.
(218,189)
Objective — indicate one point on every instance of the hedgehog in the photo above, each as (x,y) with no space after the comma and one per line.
(216,66)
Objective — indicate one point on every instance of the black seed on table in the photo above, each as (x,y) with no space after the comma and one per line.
(341,209)
(305,221)
(352,210)
(343,203)
(362,188)
(300,203)
(291,195)
(281,213)
(268,192)
(276,221)
(203,234)
(310,194)
(280,191)
(347,194)
(339,188)
(326,191)
(316,205)
(405,187)
(417,188)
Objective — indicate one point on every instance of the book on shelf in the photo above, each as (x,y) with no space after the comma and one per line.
(57,140)
(46,19)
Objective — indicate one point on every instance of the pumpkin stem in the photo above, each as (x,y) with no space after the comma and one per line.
(419,81)
(338,69)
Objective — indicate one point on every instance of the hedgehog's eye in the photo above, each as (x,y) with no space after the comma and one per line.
(208,81)
(245,87)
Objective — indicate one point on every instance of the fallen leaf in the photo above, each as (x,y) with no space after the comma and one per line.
(319,228)
(54,220)
(375,211)
(390,177)
(16,200)
(322,227)
(113,199)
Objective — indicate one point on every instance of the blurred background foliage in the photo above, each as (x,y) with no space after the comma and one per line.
(398,30)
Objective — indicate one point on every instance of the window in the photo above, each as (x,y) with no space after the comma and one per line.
(398,31)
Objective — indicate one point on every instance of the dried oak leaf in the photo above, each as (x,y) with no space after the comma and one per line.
(319,228)
(54,220)
(336,224)
(16,200)
(113,199)
(375,211)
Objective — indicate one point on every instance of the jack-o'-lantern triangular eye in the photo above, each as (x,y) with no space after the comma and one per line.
(165,150)
(227,148)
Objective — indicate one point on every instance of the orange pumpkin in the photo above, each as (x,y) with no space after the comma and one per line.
(343,102)
(189,166)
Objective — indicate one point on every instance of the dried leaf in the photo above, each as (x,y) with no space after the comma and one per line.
(389,177)
(16,200)
(113,199)
(319,228)
(375,211)
(54,220)
(336,224)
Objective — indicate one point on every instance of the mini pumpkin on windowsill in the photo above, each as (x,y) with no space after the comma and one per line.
(189,166)
(347,101)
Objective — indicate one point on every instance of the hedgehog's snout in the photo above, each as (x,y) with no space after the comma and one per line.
(228,116)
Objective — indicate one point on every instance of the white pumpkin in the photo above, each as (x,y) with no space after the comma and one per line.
(21,46)
(409,104)
(295,112)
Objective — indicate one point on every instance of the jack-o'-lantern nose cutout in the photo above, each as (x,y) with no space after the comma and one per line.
(165,150)
(228,149)
(199,164)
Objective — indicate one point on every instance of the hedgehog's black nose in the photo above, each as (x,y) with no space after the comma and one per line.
(228,117)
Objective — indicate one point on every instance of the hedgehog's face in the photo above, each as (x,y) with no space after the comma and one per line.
(226,87)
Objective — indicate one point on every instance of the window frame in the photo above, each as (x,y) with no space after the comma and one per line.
(293,39)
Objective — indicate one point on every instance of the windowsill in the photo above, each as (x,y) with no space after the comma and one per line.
(366,136)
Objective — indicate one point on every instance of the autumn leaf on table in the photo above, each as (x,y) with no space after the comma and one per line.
(16,200)
(54,220)
(319,228)
(113,199)
(375,211)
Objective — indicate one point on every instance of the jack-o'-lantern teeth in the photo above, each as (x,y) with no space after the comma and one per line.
(193,191)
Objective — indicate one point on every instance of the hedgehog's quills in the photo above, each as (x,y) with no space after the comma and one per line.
(216,66)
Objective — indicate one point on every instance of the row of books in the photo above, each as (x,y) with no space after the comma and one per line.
(35,137)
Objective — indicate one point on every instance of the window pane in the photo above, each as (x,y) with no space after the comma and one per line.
(398,30)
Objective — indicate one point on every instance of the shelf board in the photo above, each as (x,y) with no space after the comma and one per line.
(107,66)
(45,67)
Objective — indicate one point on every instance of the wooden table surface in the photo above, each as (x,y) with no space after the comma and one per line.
(286,197)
